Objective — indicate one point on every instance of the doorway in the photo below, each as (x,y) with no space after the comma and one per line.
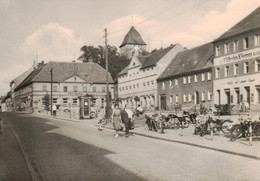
(227,91)
(163,101)
(247,94)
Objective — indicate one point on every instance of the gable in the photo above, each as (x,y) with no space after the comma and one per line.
(75,78)
(134,63)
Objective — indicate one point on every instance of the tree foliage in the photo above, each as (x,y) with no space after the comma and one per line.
(116,61)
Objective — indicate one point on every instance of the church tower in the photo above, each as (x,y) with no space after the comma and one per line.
(131,43)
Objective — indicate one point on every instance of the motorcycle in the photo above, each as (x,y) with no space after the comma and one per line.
(243,129)
(173,121)
(217,125)
(155,123)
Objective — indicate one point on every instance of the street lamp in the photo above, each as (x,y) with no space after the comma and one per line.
(51,72)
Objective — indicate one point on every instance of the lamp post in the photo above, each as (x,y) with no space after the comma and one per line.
(51,72)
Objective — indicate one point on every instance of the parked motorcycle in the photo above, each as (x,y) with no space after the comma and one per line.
(242,129)
(173,121)
(216,125)
(155,122)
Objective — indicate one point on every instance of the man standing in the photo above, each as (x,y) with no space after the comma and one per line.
(126,116)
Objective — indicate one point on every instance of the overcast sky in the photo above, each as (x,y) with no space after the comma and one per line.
(59,28)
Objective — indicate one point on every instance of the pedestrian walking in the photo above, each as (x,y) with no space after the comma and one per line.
(126,116)
(246,106)
(116,119)
(101,118)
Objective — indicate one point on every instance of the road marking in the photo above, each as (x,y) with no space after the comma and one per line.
(26,158)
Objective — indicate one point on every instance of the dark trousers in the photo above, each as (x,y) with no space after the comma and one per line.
(127,128)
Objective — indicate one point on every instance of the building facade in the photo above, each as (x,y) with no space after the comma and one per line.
(137,82)
(188,80)
(70,81)
(237,63)
(132,42)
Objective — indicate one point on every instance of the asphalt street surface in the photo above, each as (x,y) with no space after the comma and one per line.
(65,150)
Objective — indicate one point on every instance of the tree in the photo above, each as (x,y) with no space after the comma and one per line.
(47,100)
(116,61)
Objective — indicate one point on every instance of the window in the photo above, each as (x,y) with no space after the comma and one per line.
(133,86)
(257,40)
(85,89)
(209,95)
(44,88)
(137,85)
(65,89)
(144,83)
(130,86)
(257,65)
(203,96)
(226,71)
(75,101)
(195,78)
(209,75)
(176,82)
(94,89)
(55,88)
(148,83)
(226,48)
(184,80)
(217,50)
(94,102)
(65,100)
(189,97)
(123,88)
(163,85)
(203,77)
(235,46)
(189,79)
(103,89)
(152,82)
(246,43)
(75,88)
(171,98)
(217,72)
(184,98)
(54,100)
(235,69)
(170,83)
(246,67)
(43,101)
(120,89)
(176,98)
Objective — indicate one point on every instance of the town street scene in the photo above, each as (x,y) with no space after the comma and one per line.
(156,90)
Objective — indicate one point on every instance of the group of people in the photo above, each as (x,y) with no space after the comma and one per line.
(244,106)
(121,119)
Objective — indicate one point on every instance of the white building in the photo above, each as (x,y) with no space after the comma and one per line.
(137,82)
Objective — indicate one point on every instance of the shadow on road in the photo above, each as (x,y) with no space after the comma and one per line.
(58,157)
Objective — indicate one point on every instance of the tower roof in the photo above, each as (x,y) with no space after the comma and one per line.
(133,38)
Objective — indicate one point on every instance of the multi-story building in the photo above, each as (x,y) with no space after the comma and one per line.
(137,82)
(237,63)
(70,81)
(132,41)
(188,80)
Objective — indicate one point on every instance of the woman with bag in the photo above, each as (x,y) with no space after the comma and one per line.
(116,119)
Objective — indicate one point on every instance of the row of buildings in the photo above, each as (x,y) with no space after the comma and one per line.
(224,71)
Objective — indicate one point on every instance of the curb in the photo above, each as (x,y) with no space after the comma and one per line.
(174,141)
(194,144)
(32,172)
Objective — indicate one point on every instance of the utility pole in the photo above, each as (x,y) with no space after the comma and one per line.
(107,74)
(51,89)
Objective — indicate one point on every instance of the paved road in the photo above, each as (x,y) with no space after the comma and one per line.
(64,150)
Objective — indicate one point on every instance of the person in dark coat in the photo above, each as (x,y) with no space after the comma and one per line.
(126,120)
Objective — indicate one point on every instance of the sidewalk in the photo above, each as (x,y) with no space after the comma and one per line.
(220,141)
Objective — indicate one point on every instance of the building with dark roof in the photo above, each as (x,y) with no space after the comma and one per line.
(187,81)
(132,40)
(70,81)
(137,82)
(237,63)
